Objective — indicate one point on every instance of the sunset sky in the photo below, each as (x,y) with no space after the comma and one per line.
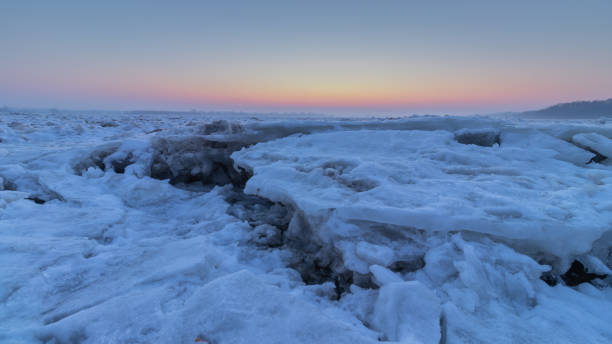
(339,57)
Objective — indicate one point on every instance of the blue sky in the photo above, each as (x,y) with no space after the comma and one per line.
(317,56)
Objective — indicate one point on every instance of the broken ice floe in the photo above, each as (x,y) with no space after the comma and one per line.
(421,229)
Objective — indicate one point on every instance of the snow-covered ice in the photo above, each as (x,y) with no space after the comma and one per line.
(123,228)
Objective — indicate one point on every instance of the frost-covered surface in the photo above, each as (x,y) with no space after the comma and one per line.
(532,188)
(167,229)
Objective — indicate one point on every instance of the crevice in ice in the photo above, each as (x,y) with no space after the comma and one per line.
(120,164)
(202,339)
(157,130)
(316,262)
(36,200)
(549,278)
(586,269)
(578,274)
(408,265)
(443,328)
(597,158)
(484,137)
(96,158)
(109,124)
(268,220)
(277,225)
(89,254)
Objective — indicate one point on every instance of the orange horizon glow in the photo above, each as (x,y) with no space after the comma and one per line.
(323,94)
(400,57)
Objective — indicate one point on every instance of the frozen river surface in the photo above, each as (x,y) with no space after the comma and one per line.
(181,228)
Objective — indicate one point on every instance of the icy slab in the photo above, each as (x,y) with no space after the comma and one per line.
(518,191)
(596,142)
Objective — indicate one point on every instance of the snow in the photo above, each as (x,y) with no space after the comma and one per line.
(161,228)
(408,312)
(427,180)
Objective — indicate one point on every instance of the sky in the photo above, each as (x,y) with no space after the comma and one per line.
(336,57)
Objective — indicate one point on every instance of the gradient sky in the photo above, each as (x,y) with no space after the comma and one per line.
(344,57)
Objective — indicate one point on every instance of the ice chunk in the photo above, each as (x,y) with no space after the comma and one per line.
(598,144)
(408,312)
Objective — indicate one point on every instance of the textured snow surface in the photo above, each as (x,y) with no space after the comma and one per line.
(532,187)
(167,229)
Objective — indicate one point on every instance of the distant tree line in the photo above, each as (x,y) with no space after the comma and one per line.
(578,109)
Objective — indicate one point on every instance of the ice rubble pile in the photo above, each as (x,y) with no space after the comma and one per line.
(144,229)
(532,191)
